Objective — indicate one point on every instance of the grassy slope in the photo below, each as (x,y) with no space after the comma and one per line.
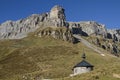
(49,58)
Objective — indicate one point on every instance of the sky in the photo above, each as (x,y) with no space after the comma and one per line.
(106,12)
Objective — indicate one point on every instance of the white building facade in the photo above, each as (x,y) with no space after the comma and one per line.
(82,67)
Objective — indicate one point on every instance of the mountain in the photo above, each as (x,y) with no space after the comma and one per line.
(20,29)
(52,24)
(46,46)
(55,18)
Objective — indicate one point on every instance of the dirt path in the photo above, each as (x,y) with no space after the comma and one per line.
(88,44)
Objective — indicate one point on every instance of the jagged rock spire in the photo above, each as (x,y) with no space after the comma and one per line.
(57,12)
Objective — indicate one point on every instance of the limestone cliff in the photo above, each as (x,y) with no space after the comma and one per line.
(57,33)
(89,27)
(20,29)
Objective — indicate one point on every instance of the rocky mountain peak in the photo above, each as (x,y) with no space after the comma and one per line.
(20,28)
(55,18)
(57,12)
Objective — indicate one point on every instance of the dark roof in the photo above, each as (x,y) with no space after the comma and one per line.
(83,63)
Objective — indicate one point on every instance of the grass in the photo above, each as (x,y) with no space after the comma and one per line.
(31,55)
(45,57)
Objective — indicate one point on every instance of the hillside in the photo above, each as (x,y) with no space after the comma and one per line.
(34,57)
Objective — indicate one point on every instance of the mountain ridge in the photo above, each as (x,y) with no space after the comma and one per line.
(55,18)
(54,24)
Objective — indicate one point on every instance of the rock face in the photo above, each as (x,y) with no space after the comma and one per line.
(20,29)
(57,33)
(106,44)
(57,15)
(114,34)
(89,27)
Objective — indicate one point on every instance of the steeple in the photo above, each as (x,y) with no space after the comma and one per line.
(83,56)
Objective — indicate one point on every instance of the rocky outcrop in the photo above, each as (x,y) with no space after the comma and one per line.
(106,44)
(57,33)
(19,29)
(114,34)
(89,27)
(56,17)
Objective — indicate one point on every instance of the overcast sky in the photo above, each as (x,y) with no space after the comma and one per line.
(103,11)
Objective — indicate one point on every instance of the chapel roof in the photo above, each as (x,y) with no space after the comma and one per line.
(83,63)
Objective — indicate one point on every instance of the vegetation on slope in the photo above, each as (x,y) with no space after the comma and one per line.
(35,57)
(33,54)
